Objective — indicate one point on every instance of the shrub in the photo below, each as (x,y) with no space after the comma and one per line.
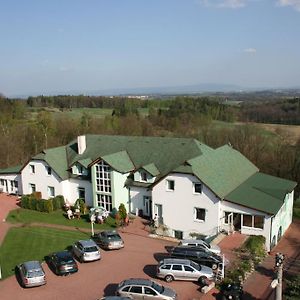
(292,291)
(32,202)
(81,204)
(48,206)
(25,201)
(122,211)
(255,246)
(58,202)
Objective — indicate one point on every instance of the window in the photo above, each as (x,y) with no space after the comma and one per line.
(143,176)
(49,170)
(32,169)
(253,221)
(199,214)
(178,234)
(177,268)
(51,192)
(197,188)
(32,188)
(188,269)
(166,267)
(103,182)
(226,217)
(149,291)
(170,185)
(105,201)
(136,289)
(81,193)
(80,169)
(247,220)
(126,288)
(259,222)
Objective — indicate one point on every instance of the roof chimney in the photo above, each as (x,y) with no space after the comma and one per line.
(81,144)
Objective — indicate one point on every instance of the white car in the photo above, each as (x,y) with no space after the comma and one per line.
(201,244)
(86,250)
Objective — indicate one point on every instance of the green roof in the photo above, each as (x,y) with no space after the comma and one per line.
(163,152)
(119,161)
(56,158)
(85,162)
(11,170)
(152,169)
(262,192)
(223,169)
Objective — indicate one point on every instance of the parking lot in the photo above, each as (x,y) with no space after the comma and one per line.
(93,280)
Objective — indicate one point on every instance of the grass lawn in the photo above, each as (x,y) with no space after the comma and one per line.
(27,216)
(33,243)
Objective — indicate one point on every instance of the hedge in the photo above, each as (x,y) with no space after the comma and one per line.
(43,205)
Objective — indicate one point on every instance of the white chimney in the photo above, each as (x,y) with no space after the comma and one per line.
(81,143)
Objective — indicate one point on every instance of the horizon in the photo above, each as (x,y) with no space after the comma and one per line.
(62,47)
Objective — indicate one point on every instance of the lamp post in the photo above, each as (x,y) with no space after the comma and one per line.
(93,219)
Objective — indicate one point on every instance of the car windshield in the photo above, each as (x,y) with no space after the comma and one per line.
(90,249)
(35,273)
(159,288)
(113,237)
(195,266)
(65,259)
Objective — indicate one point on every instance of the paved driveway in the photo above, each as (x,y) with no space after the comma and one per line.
(95,279)
(7,203)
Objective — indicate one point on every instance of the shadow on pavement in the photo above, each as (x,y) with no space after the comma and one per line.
(150,270)
(110,289)
(160,256)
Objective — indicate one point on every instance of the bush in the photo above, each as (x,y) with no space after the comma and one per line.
(48,206)
(58,202)
(81,204)
(292,291)
(122,211)
(255,246)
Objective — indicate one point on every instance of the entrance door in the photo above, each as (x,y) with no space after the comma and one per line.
(237,221)
(147,206)
(159,212)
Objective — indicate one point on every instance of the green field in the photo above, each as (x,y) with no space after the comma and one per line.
(33,243)
(28,216)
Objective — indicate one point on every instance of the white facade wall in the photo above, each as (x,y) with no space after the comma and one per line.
(137,202)
(120,193)
(137,176)
(283,218)
(71,194)
(7,183)
(226,206)
(178,206)
(41,179)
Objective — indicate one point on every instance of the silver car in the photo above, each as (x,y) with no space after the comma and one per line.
(86,250)
(183,269)
(201,244)
(137,288)
(31,274)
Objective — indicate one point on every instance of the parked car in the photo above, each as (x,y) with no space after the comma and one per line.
(198,255)
(109,239)
(232,291)
(62,263)
(31,274)
(136,288)
(183,269)
(201,244)
(115,298)
(86,250)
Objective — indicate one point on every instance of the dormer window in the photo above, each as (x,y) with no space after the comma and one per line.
(80,169)
(32,169)
(49,170)
(143,176)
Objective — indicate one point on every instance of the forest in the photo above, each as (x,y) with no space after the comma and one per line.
(31,125)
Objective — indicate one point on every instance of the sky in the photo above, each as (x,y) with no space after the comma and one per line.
(81,46)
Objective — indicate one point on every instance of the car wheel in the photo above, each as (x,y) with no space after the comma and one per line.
(169,278)
(202,280)
(214,266)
